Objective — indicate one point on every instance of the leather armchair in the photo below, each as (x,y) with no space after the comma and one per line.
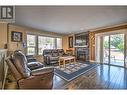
(26,79)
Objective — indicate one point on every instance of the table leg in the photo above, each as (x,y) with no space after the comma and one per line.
(74,60)
(64,63)
(60,62)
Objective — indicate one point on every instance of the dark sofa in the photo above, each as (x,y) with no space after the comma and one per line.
(51,56)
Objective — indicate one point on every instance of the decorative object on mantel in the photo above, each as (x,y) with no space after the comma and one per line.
(70,40)
(82,39)
(16,36)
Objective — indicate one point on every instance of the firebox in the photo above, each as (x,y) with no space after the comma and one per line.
(82,54)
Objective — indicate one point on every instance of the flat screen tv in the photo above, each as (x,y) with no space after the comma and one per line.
(81,39)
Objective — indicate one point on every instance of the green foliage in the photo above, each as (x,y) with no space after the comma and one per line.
(117,41)
(121,47)
(106,44)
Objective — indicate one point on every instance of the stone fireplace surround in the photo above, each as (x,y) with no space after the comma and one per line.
(82,53)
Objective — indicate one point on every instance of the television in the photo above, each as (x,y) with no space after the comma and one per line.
(82,39)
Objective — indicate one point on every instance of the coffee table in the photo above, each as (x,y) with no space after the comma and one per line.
(63,60)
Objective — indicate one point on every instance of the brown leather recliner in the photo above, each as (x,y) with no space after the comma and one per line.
(27,79)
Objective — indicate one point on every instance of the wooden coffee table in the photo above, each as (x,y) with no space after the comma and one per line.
(63,60)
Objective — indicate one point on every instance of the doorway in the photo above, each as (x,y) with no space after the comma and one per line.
(113,49)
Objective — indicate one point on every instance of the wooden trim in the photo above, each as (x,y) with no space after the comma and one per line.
(111,29)
(92,46)
(92,37)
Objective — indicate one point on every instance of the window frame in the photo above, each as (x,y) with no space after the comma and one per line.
(31,46)
(37,42)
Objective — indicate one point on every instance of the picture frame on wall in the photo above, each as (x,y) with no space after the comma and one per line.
(16,36)
(70,42)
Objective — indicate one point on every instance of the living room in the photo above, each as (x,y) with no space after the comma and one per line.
(58,47)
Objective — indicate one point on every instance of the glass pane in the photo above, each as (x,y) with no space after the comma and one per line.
(45,43)
(30,51)
(31,44)
(59,43)
(117,49)
(106,49)
(31,40)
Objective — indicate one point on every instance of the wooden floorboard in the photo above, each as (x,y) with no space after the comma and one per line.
(101,77)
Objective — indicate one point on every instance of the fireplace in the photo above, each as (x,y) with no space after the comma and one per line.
(82,53)
(82,46)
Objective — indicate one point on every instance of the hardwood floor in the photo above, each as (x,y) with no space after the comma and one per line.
(101,77)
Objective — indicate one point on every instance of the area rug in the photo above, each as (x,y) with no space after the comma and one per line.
(73,70)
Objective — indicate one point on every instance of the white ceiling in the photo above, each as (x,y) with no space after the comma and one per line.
(65,19)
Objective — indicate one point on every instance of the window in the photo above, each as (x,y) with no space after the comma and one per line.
(31,44)
(36,44)
(45,43)
(59,43)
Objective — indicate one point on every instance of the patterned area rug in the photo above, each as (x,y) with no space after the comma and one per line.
(73,70)
(72,67)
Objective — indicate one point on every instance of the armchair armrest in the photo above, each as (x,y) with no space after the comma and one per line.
(42,71)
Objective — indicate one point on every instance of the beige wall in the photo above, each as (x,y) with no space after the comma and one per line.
(65,43)
(12,46)
(3,34)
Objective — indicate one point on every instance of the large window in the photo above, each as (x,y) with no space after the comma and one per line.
(45,43)
(59,43)
(36,44)
(31,44)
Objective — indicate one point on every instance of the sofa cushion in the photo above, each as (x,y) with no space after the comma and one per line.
(55,53)
(61,52)
(47,52)
(54,58)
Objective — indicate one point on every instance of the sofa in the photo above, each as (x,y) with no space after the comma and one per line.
(51,56)
(32,63)
(29,79)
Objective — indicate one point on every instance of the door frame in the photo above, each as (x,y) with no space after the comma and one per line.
(101,35)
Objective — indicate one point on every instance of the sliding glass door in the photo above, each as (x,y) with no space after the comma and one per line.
(106,49)
(113,49)
(117,49)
